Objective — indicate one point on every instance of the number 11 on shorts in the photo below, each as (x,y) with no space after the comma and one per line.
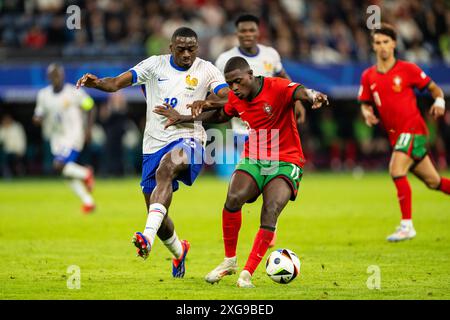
(295,172)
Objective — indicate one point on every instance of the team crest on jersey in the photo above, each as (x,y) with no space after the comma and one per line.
(66,103)
(397,87)
(191,82)
(268,66)
(267,109)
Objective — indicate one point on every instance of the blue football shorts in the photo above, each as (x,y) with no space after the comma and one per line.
(193,149)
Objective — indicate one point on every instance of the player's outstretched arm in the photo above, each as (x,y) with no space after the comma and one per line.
(212,102)
(438,108)
(108,84)
(199,106)
(174,117)
(369,115)
(315,97)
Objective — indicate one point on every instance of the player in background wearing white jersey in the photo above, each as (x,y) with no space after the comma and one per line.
(264,61)
(62,108)
(174,154)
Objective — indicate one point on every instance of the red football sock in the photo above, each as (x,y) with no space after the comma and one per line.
(231,224)
(404,196)
(445,185)
(259,249)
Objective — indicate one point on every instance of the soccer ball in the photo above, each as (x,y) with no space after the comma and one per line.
(282,266)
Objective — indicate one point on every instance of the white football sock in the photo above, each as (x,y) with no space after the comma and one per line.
(406,223)
(174,245)
(156,214)
(74,170)
(80,189)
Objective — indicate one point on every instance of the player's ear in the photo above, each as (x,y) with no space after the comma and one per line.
(250,72)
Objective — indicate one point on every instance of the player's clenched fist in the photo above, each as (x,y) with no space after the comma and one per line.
(319,100)
(88,80)
(437,111)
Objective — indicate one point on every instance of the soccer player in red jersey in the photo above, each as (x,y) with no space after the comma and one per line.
(389,85)
(272,161)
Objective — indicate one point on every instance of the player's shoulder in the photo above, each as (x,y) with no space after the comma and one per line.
(234,51)
(369,71)
(70,86)
(45,91)
(407,65)
(279,82)
(154,60)
(267,49)
(205,64)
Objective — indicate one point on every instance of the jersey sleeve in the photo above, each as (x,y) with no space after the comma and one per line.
(144,70)
(228,108)
(220,63)
(286,89)
(277,66)
(39,110)
(364,95)
(418,78)
(216,81)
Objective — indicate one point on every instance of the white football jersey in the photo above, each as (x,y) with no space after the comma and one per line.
(266,62)
(165,82)
(63,117)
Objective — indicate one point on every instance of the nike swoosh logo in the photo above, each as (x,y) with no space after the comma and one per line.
(163,79)
(240,113)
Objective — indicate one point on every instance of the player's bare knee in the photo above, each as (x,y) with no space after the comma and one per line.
(432,183)
(234,201)
(396,172)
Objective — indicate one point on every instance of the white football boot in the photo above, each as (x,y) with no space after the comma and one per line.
(227,267)
(245,280)
(404,232)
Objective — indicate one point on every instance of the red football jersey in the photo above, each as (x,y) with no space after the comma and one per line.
(393,95)
(270,118)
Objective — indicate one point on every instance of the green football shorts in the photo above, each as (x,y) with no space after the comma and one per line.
(414,145)
(264,171)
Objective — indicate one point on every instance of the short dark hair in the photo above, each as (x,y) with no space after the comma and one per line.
(387,30)
(247,18)
(236,63)
(55,66)
(184,32)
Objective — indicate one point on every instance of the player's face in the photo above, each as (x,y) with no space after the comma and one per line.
(184,51)
(383,46)
(56,77)
(241,82)
(248,34)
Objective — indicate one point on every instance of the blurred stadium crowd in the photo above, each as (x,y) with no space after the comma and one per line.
(317,32)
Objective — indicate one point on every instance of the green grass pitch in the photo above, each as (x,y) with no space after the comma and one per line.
(337,226)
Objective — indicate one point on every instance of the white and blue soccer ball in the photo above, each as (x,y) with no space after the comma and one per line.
(283,266)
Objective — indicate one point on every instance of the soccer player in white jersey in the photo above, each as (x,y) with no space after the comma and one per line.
(63,108)
(176,153)
(264,61)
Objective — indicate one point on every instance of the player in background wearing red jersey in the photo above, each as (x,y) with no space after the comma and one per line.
(272,161)
(389,85)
